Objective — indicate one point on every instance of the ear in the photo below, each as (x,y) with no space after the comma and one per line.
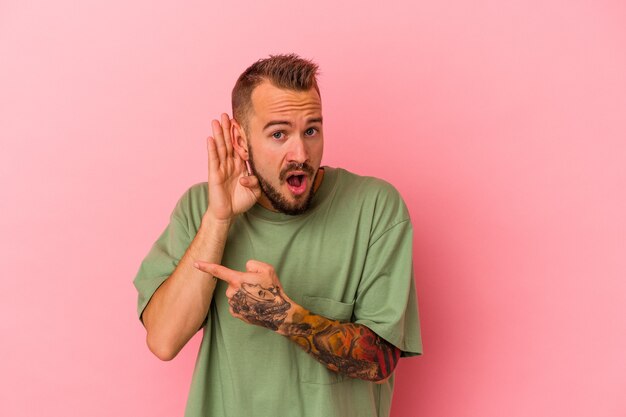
(240,141)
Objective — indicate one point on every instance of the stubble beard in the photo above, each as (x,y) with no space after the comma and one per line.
(276,198)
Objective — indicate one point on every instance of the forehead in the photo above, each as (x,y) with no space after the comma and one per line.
(269,101)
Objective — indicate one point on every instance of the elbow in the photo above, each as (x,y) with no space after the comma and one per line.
(382,381)
(162,350)
(383,377)
(162,346)
(387,364)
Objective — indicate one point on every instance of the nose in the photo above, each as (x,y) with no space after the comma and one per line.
(298,152)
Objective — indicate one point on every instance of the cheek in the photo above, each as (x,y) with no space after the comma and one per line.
(316,150)
(267,161)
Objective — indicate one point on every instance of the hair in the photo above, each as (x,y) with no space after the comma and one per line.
(284,71)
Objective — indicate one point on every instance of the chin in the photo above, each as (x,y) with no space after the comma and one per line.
(290,205)
(283,200)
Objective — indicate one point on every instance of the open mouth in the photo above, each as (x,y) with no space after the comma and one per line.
(297,183)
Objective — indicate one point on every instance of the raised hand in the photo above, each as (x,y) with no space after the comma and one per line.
(255,296)
(180,305)
(231,190)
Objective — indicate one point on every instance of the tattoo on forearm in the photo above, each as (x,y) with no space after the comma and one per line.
(349,348)
(259,305)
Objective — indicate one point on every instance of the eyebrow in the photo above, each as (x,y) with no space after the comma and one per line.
(284,122)
(276,122)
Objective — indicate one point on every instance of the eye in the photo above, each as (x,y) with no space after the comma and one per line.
(310,131)
(278,135)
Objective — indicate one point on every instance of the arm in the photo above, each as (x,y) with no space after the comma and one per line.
(179,306)
(257,297)
(349,348)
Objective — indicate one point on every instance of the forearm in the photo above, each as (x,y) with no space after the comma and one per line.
(179,306)
(257,297)
(349,348)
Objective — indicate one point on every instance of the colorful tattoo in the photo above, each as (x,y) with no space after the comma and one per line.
(349,348)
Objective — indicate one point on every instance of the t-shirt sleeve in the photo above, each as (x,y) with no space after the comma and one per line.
(386,301)
(164,256)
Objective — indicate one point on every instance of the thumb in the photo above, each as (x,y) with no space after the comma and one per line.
(249,181)
(258,266)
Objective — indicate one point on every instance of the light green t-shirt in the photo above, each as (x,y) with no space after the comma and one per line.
(348,258)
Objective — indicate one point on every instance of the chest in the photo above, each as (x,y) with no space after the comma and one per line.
(318,261)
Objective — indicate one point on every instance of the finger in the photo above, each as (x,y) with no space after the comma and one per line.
(219,271)
(230,292)
(235,135)
(214,160)
(250,181)
(218,134)
(232,313)
(258,266)
(227,137)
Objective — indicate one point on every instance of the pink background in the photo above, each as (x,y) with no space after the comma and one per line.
(502,123)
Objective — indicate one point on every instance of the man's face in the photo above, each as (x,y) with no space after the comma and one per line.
(285,145)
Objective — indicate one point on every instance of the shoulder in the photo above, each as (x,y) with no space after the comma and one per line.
(192,204)
(363,183)
(374,203)
(373,192)
(195,192)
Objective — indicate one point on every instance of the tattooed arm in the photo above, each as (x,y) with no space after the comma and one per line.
(349,348)
(257,297)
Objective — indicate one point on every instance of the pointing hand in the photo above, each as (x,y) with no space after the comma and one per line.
(255,296)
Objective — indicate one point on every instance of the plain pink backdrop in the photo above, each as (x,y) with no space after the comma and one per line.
(502,123)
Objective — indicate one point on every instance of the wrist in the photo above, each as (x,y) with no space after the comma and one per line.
(215,229)
(295,316)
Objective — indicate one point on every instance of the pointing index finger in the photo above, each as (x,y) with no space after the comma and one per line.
(219,271)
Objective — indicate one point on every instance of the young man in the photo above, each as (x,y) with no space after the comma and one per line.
(300,275)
